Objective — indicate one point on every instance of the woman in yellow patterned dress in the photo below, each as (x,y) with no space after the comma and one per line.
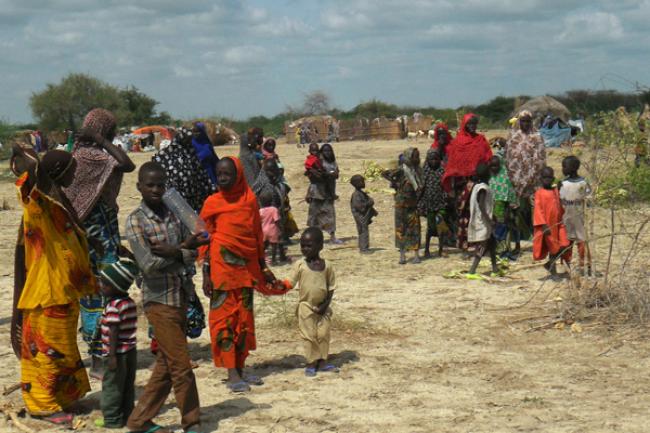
(53,272)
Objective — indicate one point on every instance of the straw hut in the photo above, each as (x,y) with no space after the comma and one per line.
(418,122)
(354,129)
(543,105)
(318,127)
(383,128)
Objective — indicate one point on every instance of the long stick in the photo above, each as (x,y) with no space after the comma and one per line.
(611,247)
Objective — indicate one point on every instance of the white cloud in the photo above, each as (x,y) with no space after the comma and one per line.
(591,28)
(244,55)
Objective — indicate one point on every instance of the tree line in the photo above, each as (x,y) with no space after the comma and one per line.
(63,106)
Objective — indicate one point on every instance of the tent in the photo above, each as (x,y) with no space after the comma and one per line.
(164,131)
(543,105)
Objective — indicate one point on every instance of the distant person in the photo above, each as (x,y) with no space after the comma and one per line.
(250,145)
(505,204)
(93,193)
(270,219)
(525,158)
(316,282)
(204,150)
(480,230)
(549,236)
(574,192)
(433,202)
(363,211)
(408,183)
(321,194)
(465,153)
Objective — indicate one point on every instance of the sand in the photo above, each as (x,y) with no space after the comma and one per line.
(418,352)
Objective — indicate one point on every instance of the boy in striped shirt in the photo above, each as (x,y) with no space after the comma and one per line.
(118,329)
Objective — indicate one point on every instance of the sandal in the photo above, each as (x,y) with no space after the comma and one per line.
(238,387)
(60,418)
(152,429)
(253,380)
(329,368)
(310,371)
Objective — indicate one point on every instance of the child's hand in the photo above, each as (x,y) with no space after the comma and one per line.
(112,362)
(207,286)
(165,250)
(196,240)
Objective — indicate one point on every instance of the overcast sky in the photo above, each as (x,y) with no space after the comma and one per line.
(240,58)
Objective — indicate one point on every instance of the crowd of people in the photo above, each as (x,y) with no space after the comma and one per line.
(70,261)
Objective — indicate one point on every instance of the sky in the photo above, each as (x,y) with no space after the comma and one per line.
(241,58)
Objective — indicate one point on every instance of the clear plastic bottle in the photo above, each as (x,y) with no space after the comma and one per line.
(184,212)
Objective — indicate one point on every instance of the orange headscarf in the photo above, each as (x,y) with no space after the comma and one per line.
(236,241)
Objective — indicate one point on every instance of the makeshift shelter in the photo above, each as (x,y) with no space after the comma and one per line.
(383,128)
(163,131)
(318,127)
(543,105)
(354,129)
(419,122)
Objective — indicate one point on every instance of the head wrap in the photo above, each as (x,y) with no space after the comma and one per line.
(95,176)
(440,127)
(205,152)
(465,152)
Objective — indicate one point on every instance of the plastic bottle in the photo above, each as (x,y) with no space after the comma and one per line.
(183,211)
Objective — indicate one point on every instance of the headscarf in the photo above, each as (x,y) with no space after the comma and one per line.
(185,172)
(525,159)
(95,176)
(433,197)
(236,241)
(205,152)
(440,126)
(263,184)
(268,154)
(247,157)
(412,174)
(465,152)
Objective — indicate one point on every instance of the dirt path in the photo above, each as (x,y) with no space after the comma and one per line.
(418,352)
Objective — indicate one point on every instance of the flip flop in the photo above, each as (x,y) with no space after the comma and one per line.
(253,380)
(238,387)
(310,371)
(152,429)
(60,418)
(329,368)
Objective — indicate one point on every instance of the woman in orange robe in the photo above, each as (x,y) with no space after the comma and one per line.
(549,234)
(234,266)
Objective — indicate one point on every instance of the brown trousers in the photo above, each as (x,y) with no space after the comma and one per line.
(172,370)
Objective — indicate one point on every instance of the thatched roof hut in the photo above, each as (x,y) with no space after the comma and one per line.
(543,105)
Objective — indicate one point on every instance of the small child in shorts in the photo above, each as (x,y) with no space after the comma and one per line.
(316,281)
(118,330)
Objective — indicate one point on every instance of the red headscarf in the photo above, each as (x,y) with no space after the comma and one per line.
(465,152)
(441,126)
(233,221)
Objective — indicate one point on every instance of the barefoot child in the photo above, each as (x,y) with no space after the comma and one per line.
(363,211)
(574,191)
(317,282)
(549,233)
(480,230)
(433,201)
(118,331)
(505,201)
(165,252)
(270,218)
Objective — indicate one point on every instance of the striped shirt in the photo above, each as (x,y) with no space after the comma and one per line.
(164,280)
(123,313)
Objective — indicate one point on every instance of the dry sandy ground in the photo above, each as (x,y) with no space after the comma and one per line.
(418,352)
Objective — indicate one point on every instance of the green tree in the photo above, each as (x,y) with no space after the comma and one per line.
(64,105)
(138,109)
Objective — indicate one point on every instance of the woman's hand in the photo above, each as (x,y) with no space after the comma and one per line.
(90,134)
(207,284)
